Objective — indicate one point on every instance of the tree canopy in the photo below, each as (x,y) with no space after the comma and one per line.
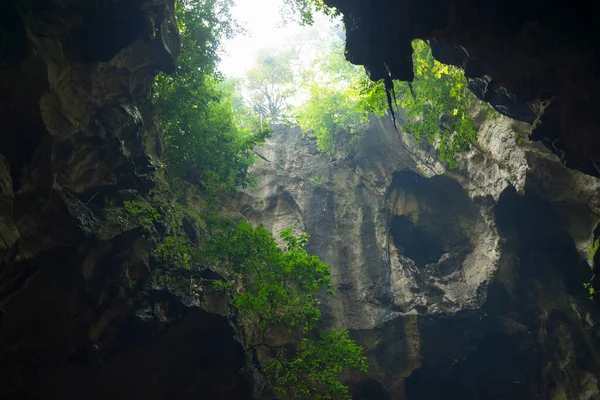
(337,98)
(312,374)
(271,84)
(279,286)
(436,104)
(204,143)
(332,113)
(275,289)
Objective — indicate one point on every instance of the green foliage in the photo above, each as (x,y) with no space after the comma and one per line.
(332,112)
(373,100)
(437,106)
(303,11)
(142,212)
(317,180)
(223,286)
(491,114)
(330,117)
(593,249)
(341,101)
(312,372)
(175,250)
(519,138)
(280,287)
(243,115)
(204,144)
(590,288)
(271,84)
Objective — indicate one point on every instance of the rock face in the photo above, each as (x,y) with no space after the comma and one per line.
(78,319)
(522,56)
(462,284)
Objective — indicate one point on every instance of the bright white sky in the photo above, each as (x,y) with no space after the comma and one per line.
(263,23)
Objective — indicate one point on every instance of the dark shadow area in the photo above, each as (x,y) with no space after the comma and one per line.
(415,241)
(490,373)
(368,390)
(107,28)
(527,341)
(65,337)
(439,224)
(195,358)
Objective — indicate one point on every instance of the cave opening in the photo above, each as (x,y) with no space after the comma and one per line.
(432,220)
(415,241)
(199,354)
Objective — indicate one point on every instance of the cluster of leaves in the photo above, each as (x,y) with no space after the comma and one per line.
(591,290)
(204,144)
(437,105)
(303,11)
(331,118)
(142,212)
(592,250)
(317,180)
(332,114)
(270,85)
(175,250)
(272,288)
(279,287)
(312,374)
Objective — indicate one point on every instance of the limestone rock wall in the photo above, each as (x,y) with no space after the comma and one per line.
(461,284)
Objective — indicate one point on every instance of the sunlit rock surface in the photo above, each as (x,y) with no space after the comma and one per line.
(461,284)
